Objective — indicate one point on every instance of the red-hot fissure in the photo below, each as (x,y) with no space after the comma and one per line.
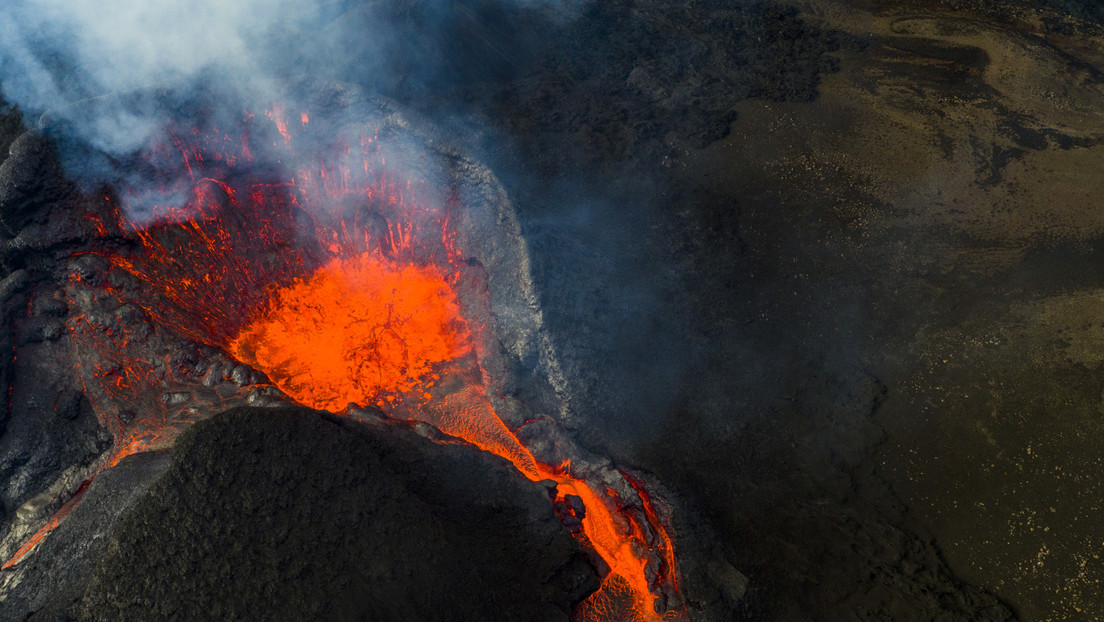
(341,284)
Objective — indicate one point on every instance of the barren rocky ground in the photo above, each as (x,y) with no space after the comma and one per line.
(911,284)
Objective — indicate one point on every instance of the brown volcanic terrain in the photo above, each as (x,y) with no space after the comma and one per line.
(920,244)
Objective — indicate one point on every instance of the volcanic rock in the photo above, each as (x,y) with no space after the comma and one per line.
(52,580)
(22,178)
(289,514)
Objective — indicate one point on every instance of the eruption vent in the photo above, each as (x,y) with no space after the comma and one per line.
(359,330)
(343,282)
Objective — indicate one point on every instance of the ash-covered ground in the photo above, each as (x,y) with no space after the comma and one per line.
(825,268)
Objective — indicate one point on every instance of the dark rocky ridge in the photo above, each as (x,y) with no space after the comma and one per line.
(288,514)
(50,434)
(56,577)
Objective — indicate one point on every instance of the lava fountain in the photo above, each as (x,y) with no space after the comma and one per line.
(356,331)
(284,257)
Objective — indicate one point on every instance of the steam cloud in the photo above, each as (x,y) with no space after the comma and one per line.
(73,59)
(108,73)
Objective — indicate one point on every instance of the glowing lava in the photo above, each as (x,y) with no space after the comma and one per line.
(359,330)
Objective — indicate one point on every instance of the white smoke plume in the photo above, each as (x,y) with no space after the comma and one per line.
(102,68)
(73,59)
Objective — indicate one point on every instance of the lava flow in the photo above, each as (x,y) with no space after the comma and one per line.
(360,330)
(343,285)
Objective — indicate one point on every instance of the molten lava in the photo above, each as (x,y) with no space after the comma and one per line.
(344,287)
(360,330)
(364,330)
